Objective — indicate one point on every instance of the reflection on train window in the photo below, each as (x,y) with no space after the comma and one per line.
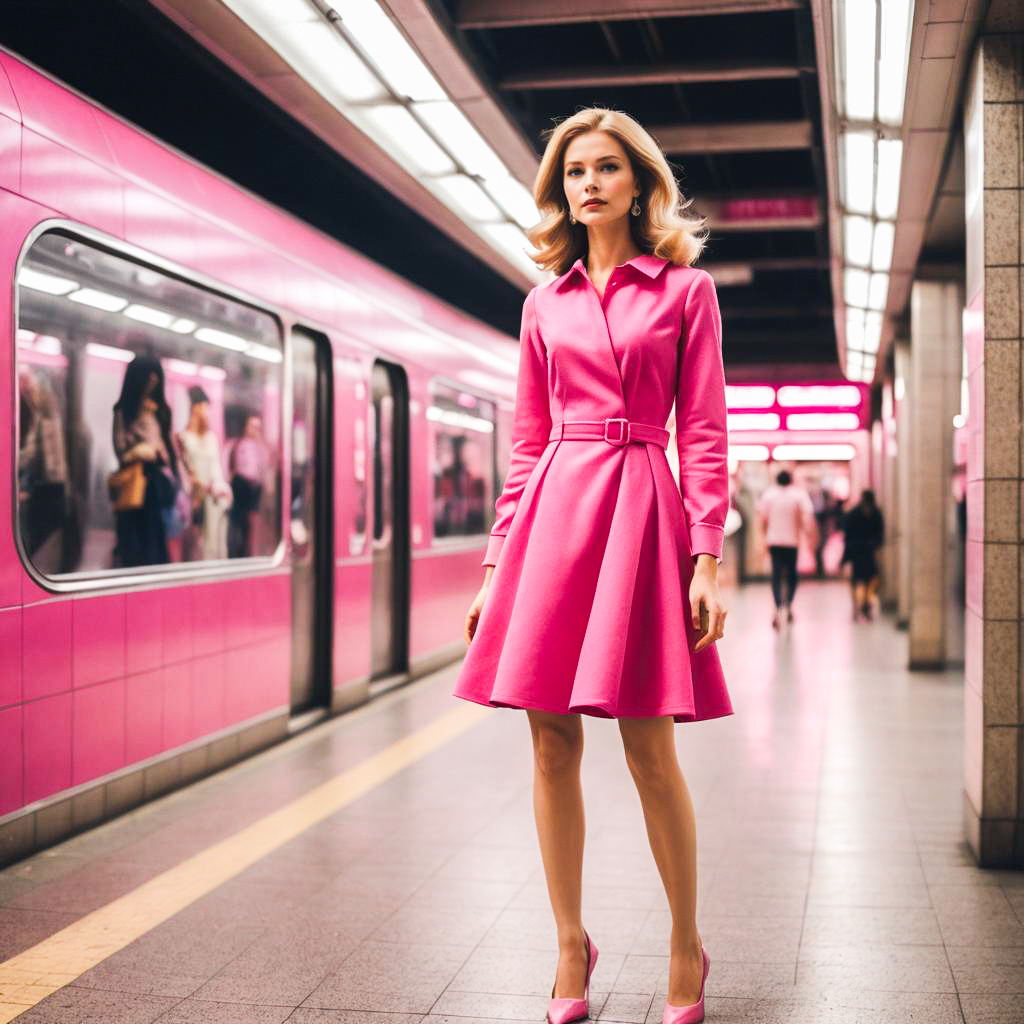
(461,428)
(149,416)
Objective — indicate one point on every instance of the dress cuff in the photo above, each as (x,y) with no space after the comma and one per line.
(707,539)
(494,543)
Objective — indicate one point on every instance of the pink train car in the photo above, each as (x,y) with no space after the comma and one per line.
(312,448)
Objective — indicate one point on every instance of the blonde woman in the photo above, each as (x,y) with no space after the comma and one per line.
(600,595)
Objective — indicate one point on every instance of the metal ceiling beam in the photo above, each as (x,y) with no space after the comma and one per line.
(733,136)
(522,13)
(645,74)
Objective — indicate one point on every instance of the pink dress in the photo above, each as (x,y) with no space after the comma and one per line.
(588,606)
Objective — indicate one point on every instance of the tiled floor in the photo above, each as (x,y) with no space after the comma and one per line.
(834,883)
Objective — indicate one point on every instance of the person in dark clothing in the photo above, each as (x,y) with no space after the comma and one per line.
(142,433)
(863,533)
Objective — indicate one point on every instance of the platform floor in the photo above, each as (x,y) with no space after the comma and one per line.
(384,866)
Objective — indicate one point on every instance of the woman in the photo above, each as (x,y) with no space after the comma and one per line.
(249,464)
(598,576)
(211,495)
(142,433)
(863,533)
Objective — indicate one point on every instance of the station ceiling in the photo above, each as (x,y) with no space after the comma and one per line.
(729,87)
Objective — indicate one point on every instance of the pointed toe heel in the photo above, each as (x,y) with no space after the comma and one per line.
(693,1013)
(565,1009)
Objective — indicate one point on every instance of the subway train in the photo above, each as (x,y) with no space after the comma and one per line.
(250,473)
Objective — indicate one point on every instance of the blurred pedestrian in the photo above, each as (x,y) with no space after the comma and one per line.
(863,534)
(786,514)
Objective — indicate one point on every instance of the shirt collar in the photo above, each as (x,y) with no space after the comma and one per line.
(646,263)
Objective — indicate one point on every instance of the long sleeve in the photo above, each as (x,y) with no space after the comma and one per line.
(701,425)
(531,426)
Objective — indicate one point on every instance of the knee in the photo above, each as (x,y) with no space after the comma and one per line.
(557,749)
(652,768)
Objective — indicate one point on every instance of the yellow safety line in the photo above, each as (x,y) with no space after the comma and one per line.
(29,977)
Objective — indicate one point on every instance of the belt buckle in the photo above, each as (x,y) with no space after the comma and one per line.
(623,437)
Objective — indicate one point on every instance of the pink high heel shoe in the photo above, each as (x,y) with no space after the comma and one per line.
(566,1009)
(693,1013)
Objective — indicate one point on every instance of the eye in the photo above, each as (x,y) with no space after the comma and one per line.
(613,166)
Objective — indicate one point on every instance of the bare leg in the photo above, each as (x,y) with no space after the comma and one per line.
(649,744)
(558,809)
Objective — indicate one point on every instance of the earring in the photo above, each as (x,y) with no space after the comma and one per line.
(635,210)
(572,219)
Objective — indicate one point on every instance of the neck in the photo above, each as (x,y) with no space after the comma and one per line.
(609,246)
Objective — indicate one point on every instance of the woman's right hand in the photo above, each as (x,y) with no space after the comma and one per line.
(473,615)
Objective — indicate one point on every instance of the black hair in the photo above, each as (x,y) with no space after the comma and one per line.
(133,389)
(785,478)
(867,497)
(196,395)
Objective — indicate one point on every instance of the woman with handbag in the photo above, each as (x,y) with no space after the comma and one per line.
(145,489)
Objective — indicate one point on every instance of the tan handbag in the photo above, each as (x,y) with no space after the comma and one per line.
(128,486)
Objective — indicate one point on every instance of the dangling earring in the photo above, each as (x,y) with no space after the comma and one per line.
(635,209)
(572,219)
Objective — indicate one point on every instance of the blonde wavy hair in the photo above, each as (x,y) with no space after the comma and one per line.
(661,229)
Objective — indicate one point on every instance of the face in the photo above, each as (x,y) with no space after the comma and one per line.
(595,167)
(253,426)
(201,412)
(151,383)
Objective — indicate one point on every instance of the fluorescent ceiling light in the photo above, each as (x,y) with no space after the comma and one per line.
(264,352)
(748,452)
(325,60)
(467,194)
(858,171)
(822,421)
(454,418)
(180,366)
(465,143)
(512,242)
(120,355)
(277,11)
(749,396)
(403,133)
(515,197)
(859,59)
(148,315)
(857,238)
(213,373)
(183,326)
(892,65)
(872,332)
(881,248)
(49,345)
(878,291)
(753,421)
(813,452)
(810,395)
(221,339)
(99,300)
(49,283)
(380,39)
(855,287)
(887,191)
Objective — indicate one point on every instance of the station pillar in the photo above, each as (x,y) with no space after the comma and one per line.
(993,692)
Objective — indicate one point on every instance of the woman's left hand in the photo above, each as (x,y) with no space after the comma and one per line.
(704,590)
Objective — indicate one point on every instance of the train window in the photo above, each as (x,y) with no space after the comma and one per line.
(461,442)
(149,416)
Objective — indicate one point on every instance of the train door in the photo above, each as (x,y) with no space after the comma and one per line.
(310,521)
(390,625)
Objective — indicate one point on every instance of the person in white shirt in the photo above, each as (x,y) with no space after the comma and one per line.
(786,514)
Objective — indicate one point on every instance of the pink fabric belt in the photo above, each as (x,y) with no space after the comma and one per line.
(616,430)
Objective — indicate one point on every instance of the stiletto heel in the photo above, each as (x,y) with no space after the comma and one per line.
(566,1009)
(692,1013)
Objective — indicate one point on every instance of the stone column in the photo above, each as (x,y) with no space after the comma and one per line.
(993,704)
(936,310)
(904,490)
